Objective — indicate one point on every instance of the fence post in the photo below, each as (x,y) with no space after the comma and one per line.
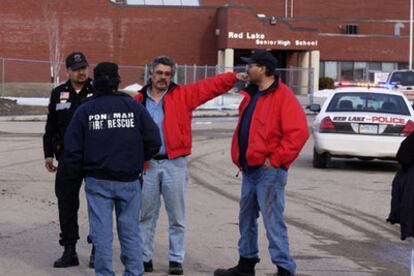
(194,73)
(2,77)
(176,74)
(52,75)
(145,74)
(185,74)
(219,99)
(310,83)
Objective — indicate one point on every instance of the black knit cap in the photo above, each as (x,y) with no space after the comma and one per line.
(106,77)
(106,69)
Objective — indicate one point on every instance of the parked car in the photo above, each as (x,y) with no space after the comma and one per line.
(366,123)
(403,80)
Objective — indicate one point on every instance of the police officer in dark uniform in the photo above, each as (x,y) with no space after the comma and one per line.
(64,100)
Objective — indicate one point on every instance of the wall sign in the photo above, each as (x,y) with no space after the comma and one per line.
(261,40)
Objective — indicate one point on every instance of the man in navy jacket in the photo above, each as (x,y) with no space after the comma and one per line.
(108,140)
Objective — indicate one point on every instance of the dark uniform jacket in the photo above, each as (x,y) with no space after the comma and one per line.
(63,102)
(405,154)
(109,138)
(402,197)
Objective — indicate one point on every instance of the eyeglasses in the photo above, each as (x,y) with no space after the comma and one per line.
(165,73)
(251,65)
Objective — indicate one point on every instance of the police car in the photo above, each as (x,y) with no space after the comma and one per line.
(366,123)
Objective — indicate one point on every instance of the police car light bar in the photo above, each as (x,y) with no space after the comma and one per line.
(389,85)
(355,84)
(363,84)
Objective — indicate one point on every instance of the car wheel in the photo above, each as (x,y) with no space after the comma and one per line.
(320,160)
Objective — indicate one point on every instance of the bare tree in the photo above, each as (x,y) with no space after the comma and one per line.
(55,46)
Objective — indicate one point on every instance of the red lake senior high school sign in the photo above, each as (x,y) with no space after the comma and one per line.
(260,39)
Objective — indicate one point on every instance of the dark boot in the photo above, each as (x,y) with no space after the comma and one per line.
(148,266)
(69,257)
(92,258)
(245,267)
(282,272)
(176,269)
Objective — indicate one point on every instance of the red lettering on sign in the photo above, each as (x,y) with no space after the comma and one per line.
(387,120)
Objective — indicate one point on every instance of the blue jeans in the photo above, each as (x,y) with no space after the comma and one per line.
(102,197)
(166,178)
(264,190)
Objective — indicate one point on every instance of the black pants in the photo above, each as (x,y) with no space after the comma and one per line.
(67,193)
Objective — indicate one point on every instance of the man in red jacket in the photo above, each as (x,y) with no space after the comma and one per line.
(272,130)
(171,106)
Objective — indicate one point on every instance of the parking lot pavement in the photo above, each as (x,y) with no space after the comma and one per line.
(336,216)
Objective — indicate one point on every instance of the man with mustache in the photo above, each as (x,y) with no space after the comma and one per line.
(271,132)
(64,100)
(171,106)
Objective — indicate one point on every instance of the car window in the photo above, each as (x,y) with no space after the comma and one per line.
(403,78)
(368,102)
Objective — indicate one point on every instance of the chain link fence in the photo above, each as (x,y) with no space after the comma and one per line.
(35,78)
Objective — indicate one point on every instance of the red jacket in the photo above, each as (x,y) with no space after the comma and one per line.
(179,102)
(278,129)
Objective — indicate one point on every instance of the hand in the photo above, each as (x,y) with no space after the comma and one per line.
(242,76)
(49,164)
(267,164)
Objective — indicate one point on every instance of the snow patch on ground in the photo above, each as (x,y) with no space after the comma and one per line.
(29,101)
(227,102)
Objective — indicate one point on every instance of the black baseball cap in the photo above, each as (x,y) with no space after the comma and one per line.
(76,60)
(261,57)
